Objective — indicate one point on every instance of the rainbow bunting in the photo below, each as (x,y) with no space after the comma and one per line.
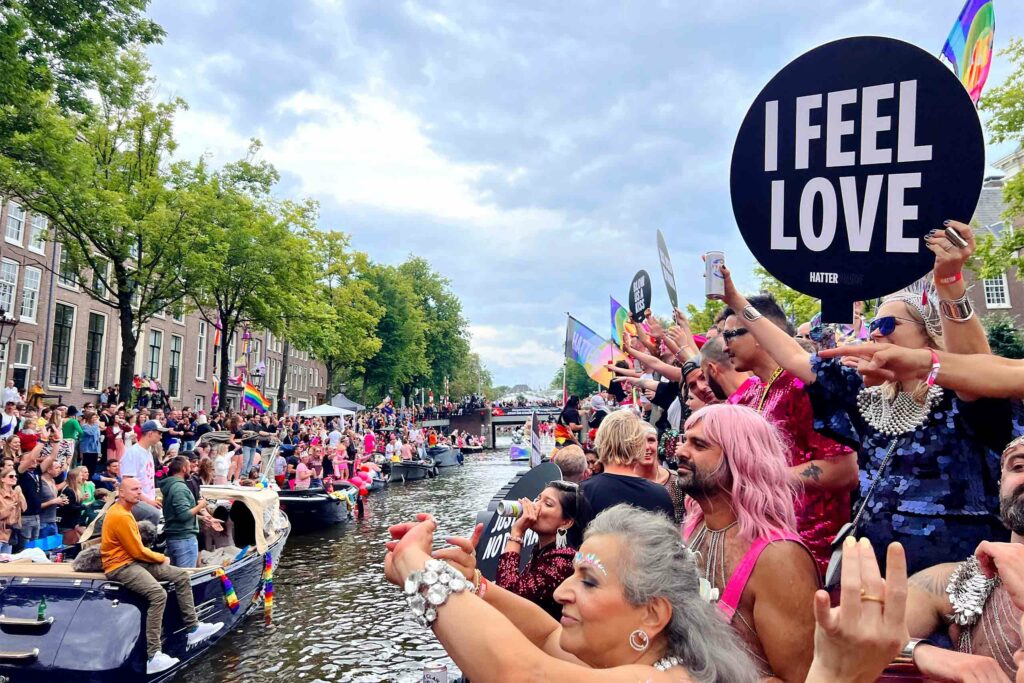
(584,346)
(229,591)
(253,397)
(216,334)
(268,588)
(969,45)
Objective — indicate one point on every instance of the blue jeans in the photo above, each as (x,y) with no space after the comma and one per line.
(5,548)
(184,552)
(48,529)
(248,455)
(29,528)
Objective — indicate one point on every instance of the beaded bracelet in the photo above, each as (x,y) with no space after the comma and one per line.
(425,591)
(934,374)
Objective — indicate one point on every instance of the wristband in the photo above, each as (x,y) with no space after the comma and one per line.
(933,375)
(515,539)
(906,655)
(951,279)
(481,590)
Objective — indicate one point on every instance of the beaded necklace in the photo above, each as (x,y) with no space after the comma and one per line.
(767,388)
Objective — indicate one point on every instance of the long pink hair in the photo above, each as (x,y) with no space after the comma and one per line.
(762,493)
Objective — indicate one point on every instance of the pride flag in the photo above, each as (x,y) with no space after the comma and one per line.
(584,346)
(620,316)
(253,397)
(969,45)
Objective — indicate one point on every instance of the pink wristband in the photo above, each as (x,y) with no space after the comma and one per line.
(933,375)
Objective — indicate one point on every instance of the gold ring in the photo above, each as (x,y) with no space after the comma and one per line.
(873,598)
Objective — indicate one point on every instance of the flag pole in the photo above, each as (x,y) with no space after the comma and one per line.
(565,363)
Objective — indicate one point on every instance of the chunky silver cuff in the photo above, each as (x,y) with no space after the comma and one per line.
(906,655)
(751,314)
(957,310)
(427,590)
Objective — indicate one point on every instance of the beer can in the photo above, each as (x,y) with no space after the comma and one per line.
(435,673)
(510,508)
(714,282)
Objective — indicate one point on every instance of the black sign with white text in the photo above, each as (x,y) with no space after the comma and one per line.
(640,295)
(846,159)
(666,271)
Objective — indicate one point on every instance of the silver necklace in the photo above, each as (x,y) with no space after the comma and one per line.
(713,556)
(968,591)
(900,415)
(666,663)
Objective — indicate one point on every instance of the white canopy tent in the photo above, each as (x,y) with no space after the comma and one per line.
(325,410)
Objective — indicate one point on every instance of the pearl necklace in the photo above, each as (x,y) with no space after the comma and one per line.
(901,415)
(666,663)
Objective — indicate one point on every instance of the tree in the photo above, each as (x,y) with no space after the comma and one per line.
(799,308)
(343,337)
(578,382)
(402,332)
(470,378)
(124,222)
(703,319)
(1004,337)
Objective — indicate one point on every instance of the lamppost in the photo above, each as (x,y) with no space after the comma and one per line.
(7,326)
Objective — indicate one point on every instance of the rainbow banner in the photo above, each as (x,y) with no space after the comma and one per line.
(620,317)
(253,397)
(969,45)
(584,346)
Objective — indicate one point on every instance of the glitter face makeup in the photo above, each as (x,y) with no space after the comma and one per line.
(590,559)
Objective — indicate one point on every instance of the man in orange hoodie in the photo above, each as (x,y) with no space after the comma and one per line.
(139,569)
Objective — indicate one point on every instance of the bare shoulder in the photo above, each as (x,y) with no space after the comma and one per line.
(571,673)
(933,580)
(785,564)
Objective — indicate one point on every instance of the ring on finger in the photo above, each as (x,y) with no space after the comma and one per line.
(871,598)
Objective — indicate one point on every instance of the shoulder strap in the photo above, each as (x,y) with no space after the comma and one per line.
(730,599)
(874,482)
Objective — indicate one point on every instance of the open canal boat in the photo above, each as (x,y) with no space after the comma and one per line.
(316,508)
(444,456)
(57,624)
(412,470)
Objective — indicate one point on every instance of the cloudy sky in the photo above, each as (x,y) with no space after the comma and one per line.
(528,149)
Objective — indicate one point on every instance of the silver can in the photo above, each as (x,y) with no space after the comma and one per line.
(435,673)
(714,281)
(510,508)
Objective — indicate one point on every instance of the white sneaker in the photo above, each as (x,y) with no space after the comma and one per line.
(202,631)
(160,662)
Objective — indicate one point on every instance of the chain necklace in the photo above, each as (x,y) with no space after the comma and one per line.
(666,663)
(713,555)
(900,415)
(767,388)
(968,591)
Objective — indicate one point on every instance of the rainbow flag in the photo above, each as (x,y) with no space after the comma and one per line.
(969,45)
(584,346)
(215,398)
(253,397)
(230,597)
(620,316)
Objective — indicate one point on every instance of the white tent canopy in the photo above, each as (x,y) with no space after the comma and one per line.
(325,410)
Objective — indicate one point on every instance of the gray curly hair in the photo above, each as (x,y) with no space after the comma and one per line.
(655,563)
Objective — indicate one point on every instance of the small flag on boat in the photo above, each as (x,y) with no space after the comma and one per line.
(268,589)
(229,590)
(969,45)
(253,397)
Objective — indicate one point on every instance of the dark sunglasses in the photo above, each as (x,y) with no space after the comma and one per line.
(729,335)
(887,324)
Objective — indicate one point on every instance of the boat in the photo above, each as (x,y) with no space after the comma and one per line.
(412,470)
(472,450)
(518,453)
(444,456)
(316,507)
(93,630)
(377,482)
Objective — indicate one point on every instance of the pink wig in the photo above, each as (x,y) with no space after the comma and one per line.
(762,493)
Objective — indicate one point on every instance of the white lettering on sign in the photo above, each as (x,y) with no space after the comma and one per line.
(830,278)
(859,213)
(638,293)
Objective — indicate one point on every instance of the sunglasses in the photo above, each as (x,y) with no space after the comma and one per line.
(729,335)
(886,324)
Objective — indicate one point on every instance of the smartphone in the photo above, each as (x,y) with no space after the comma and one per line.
(955,239)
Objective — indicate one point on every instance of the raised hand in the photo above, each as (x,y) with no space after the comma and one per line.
(949,259)
(1005,560)
(462,555)
(880,363)
(412,542)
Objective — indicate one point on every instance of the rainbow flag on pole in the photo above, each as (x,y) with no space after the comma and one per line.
(969,45)
(253,397)
(620,316)
(584,346)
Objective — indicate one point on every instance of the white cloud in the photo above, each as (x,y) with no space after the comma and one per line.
(513,346)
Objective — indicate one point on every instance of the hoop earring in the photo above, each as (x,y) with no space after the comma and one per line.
(560,539)
(638,640)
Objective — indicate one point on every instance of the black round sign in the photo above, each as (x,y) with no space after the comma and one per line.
(846,159)
(640,295)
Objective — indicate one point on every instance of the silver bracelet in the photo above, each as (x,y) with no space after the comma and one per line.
(906,655)
(751,314)
(427,590)
(957,310)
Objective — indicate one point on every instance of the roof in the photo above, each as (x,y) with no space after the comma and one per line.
(343,401)
(989,213)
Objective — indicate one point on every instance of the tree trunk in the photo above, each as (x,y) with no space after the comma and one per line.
(285,352)
(224,372)
(129,341)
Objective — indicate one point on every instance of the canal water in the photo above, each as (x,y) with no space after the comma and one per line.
(335,617)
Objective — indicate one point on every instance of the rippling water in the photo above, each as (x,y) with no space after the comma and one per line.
(335,617)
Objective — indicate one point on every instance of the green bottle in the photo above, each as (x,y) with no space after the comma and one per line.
(41,615)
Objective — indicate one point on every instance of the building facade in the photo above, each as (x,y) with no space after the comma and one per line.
(71,343)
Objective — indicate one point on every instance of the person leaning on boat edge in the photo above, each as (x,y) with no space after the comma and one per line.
(139,569)
(181,526)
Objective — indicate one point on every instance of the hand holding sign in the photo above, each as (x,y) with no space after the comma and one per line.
(640,295)
(950,259)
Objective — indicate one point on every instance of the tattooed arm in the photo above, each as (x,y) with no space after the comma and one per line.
(927,603)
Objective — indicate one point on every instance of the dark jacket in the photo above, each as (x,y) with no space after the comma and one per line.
(179,522)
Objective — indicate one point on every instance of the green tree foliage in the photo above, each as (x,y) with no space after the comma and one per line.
(796,306)
(703,319)
(124,222)
(470,378)
(1004,336)
(577,381)
(402,333)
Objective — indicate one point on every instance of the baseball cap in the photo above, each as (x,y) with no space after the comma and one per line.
(152,426)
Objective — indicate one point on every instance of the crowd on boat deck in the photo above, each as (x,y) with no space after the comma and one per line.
(763,501)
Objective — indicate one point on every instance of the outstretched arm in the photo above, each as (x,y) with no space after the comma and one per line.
(786,351)
(666,370)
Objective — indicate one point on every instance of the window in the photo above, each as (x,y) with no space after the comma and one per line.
(8,286)
(60,354)
(23,353)
(66,277)
(156,342)
(15,223)
(178,314)
(199,402)
(174,370)
(30,294)
(201,352)
(997,292)
(99,274)
(37,235)
(94,351)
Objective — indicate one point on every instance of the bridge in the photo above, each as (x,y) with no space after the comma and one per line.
(485,424)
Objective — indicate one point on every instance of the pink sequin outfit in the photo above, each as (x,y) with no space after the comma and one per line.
(819,514)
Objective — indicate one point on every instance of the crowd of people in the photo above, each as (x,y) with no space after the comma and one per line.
(764,501)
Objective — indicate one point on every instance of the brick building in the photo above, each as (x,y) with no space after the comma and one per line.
(71,343)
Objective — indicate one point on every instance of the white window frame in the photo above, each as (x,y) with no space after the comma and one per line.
(149,353)
(20,344)
(96,284)
(71,349)
(30,319)
(103,352)
(993,283)
(201,352)
(181,363)
(37,229)
(60,277)
(11,220)
(199,401)
(6,285)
